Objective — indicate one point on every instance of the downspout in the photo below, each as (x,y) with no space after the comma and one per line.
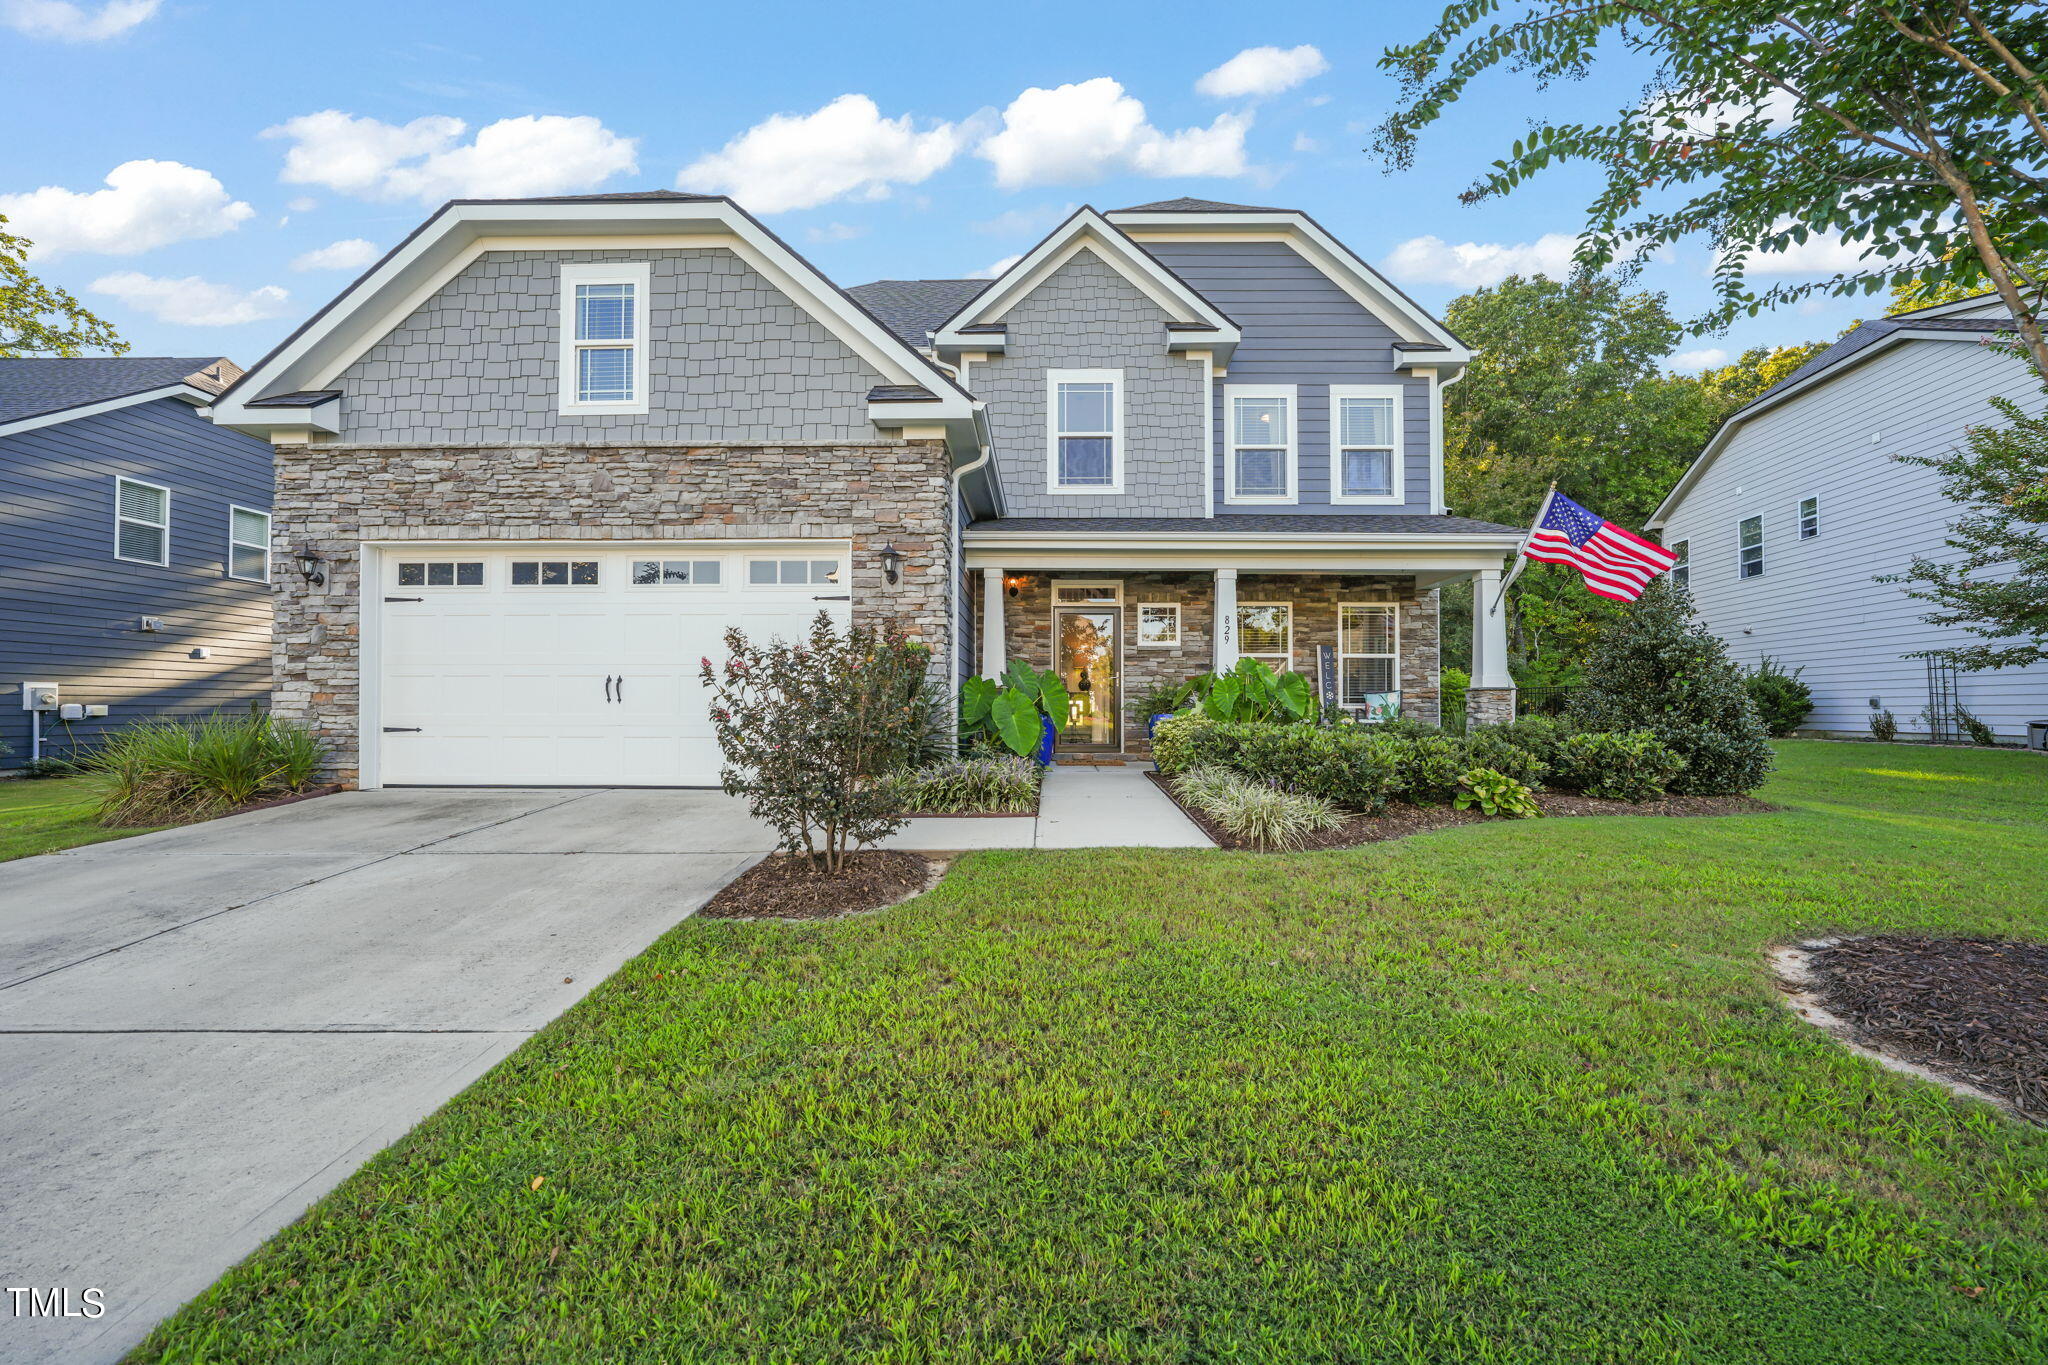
(1437,474)
(960,560)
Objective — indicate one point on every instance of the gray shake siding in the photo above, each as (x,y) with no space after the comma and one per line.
(70,612)
(1300,328)
(731,359)
(1087,316)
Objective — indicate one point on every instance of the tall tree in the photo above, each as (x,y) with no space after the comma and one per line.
(1917,129)
(1740,382)
(37,318)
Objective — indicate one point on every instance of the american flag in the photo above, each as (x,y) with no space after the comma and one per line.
(1614,562)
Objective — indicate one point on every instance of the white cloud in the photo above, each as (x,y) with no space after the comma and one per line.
(426,161)
(1260,71)
(1819,254)
(146,204)
(350,253)
(71,23)
(1304,143)
(1468,265)
(1025,222)
(991,271)
(1692,362)
(193,302)
(834,232)
(845,150)
(1705,116)
(305,203)
(1085,131)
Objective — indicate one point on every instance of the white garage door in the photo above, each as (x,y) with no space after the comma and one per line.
(577,666)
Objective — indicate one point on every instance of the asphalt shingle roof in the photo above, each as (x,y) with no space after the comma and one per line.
(1186,205)
(1341,523)
(913,308)
(1869,333)
(32,386)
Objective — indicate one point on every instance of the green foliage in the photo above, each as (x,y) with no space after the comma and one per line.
(1253,691)
(1451,704)
(1352,765)
(809,727)
(989,785)
(44,768)
(39,319)
(1975,728)
(1165,699)
(1429,769)
(1657,669)
(1630,766)
(1266,816)
(1495,747)
(1496,794)
(1743,380)
(170,772)
(1884,726)
(1782,700)
(1008,712)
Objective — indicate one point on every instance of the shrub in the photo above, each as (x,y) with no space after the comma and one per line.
(809,727)
(1782,701)
(1406,727)
(1451,697)
(1657,669)
(1430,767)
(997,785)
(1252,691)
(1884,726)
(1977,730)
(1490,746)
(166,772)
(1496,794)
(49,767)
(1633,766)
(1350,765)
(1266,816)
(1186,741)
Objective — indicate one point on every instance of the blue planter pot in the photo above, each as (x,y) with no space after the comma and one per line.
(1048,735)
(1152,725)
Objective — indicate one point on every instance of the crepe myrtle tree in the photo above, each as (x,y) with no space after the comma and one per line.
(1916,131)
(810,726)
(39,319)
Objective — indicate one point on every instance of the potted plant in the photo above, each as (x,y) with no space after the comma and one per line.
(1017,712)
(1164,702)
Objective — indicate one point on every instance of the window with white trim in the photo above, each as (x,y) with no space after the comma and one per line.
(554,573)
(1809,518)
(441,573)
(763,573)
(1158,625)
(1084,437)
(1681,572)
(1260,466)
(142,522)
(248,544)
(1751,539)
(1365,423)
(1265,631)
(604,338)
(676,573)
(1368,652)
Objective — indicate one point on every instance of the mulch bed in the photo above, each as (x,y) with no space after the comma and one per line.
(1972,1009)
(1401,820)
(785,887)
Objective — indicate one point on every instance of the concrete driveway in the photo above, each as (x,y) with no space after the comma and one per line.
(203,1030)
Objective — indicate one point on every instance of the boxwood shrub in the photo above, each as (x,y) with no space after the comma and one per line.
(1633,765)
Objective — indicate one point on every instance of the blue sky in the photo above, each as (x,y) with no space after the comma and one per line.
(260,154)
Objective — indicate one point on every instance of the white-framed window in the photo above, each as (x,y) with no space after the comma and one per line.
(768,573)
(1750,539)
(1084,418)
(677,573)
(1075,593)
(604,338)
(1265,631)
(1681,572)
(554,573)
(1158,625)
(1809,518)
(1260,442)
(248,544)
(441,573)
(1365,444)
(142,522)
(1368,652)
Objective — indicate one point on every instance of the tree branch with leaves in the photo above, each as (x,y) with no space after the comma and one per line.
(39,319)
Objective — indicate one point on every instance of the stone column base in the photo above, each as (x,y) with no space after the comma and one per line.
(1489,705)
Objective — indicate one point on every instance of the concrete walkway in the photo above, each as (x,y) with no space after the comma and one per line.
(1079,807)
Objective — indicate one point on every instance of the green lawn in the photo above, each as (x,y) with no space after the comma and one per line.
(52,813)
(1512,1092)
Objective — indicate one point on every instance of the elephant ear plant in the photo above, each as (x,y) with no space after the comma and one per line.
(1252,691)
(1008,712)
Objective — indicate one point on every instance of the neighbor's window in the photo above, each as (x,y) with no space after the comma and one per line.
(768,572)
(248,544)
(1367,420)
(1261,467)
(1265,630)
(1367,652)
(1086,409)
(142,522)
(440,573)
(604,326)
(696,573)
(1752,539)
(554,573)
(1681,572)
(1809,518)
(1158,624)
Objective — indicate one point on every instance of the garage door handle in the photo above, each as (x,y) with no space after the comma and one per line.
(832,597)
(405,599)
(622,687)
(401,729)
(607,688)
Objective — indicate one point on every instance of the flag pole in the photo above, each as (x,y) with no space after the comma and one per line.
(1521,562)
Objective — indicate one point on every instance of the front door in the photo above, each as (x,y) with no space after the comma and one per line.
(1086,646)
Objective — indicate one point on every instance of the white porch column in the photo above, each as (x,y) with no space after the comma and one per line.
(1489,632)
(992,644)
(1225,630)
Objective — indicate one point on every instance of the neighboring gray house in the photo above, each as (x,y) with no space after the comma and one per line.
(134,541)
(1797,507)
(540,457)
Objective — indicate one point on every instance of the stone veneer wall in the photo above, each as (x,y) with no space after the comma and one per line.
(330,498)
(1027,628)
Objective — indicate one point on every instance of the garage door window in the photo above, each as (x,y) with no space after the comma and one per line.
(554,573)
(789,572)
(440,573)
(675,573)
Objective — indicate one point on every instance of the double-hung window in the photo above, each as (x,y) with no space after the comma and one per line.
(1681,572)
(1751,539)
(142,522)
(604,338)
(1084,417)
(248,544)
(1368,653)
(1265,631)
(1261,443)
(1809,518)
(1365,422)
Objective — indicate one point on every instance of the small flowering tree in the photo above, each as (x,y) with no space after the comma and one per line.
(809,726)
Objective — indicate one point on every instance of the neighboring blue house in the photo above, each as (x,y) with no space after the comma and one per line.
(134,545)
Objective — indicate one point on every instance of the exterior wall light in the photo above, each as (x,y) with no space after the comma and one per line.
(892,564)
(311,565)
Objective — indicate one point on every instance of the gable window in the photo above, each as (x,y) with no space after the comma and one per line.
(1265,631)
(554,573)
(1752,543)
(676,573)
(248,544)
(440,573)
(1084,413)
(1809,518)
(1158,625)
(604,338)
(1368,653)
(142,522)
(789,572)
(1681,572)
(1365,420)
(1261,444)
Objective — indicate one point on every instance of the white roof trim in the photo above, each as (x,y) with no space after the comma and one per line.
(1266,539)
(192,394)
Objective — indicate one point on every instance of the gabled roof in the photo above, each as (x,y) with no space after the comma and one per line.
(1186,205)
(33,386)
(914,309)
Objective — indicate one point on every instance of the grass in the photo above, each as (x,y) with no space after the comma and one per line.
(1507,1092)
(54,813)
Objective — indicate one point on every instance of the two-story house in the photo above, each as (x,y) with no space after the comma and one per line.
(537,460)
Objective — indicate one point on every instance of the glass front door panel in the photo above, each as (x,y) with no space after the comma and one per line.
(1087,665)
